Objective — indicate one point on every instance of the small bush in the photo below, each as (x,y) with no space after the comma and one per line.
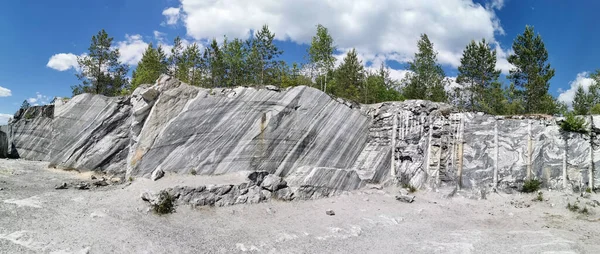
(588,190)
(573,123)
(193,172)
(572,208)
(130,179)
(584,211)
(531,185)
(28,115)
(164,204)
(540,197)
(409,187)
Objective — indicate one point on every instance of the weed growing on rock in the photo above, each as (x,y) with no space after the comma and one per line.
(193,172)
(584,211)
(588,190)
(573,207)
(164,204)
(130,179)
(539,197)
(531,185)
(573,123)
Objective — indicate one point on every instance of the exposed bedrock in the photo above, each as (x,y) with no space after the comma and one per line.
(318,144)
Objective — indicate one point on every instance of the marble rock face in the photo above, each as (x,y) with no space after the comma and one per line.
(319,145)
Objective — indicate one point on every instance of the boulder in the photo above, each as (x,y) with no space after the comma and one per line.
(273,183)
(157,174)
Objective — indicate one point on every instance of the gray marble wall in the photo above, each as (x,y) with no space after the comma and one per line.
(314,140)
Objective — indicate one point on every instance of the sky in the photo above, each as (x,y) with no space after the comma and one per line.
(41,39)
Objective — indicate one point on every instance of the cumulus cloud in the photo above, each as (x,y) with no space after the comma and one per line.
(172,15)
(63,62)
(4,118)
(386,28)
(131,49)
(5,92)
(582,79)
(39,99)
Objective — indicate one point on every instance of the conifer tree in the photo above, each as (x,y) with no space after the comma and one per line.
(532,73)
(477,71)
(101,72)
(151,66)
(427,79)
(350,77)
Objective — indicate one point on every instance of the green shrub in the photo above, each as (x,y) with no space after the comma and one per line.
(164,204)
(588,190)
(572,208)
(531,185)
(573,123)
(539,197)
(28,115)
(193,172)
(584,211)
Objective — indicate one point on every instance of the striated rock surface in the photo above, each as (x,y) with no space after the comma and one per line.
(318,144)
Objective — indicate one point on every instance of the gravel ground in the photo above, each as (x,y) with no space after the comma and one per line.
(36,218)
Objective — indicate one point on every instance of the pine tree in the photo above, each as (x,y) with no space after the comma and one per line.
(478,72)
(532,73)
(175,57)
(581,102)
(216,63)
(25,105)
(150,67)
(267,55)
(101,72)
(427,79)
(350,77)
(234,54)
(320,55)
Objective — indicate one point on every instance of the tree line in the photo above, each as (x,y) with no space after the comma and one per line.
(256,61)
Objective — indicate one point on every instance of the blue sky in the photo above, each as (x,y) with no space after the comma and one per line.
(41,38)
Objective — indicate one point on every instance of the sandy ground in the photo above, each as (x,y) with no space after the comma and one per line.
(36,218)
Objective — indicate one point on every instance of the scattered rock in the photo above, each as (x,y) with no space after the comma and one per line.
(270,210)
(330,212)
(405,198)
(82,186)
(157,174)
(257,177)
(93,177)
(272,88)
(100,183)
(62,186)
(273,183)
(285,194)
(1,189)
(374,186)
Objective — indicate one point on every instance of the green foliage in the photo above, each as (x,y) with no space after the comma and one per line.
(100,70)
(165,204)
(28,115)
(151,66)
(477,71)
(531,185)
(193,172)
(320,55)
(532,73)
(573,123)
(588,102)
(588,190)
(539,197)
(25,105)
(427,79)
(572,208)
(349,77)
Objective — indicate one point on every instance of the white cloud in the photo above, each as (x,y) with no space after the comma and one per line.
(172,15)
(386,28)
(4,118)
(39,99)
(131,49)
(63,62)
(582,79)
(5,92)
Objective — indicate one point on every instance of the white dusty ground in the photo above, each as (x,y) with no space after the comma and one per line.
(36,218)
